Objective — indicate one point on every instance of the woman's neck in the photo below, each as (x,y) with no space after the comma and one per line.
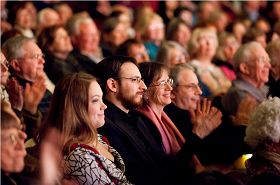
(158,109)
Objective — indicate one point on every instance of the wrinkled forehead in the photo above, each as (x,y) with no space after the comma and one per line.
(187,76)
(30,47)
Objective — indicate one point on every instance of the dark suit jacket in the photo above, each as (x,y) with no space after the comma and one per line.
(85,63)
(140,147)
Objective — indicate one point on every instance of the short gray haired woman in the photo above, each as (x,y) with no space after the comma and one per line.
(263,136)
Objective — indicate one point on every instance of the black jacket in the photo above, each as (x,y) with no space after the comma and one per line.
(140,147)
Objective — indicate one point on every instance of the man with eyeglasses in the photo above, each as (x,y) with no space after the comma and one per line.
(188,105)
(26,66)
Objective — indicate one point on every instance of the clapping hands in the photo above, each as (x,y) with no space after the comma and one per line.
(34,93)
(205,118)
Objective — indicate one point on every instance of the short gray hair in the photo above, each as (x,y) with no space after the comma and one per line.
(73,27)
(176,70)
(245,54)
(264,124)
(13,47)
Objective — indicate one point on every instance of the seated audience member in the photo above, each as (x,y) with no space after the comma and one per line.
(255,34)
(26,65)
(47,17)
(114,33)
(273,50)
(88,157)
(14,162)
(150,27)
(217,20)
(186,101)
(171,53)
(263,136)
(138,144)
(226,49)
(56,45)
(85,39)
(125,15)
(134,48)
(238,29)
(184,13)
(12,145)
(22,19)
(252,64)
(202,48)
(178,31)
(263,25)
(22,101)
(65,12)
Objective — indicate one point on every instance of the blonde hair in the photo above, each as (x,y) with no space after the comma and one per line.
(193,43)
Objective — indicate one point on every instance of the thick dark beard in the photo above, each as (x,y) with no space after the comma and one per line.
(128,102)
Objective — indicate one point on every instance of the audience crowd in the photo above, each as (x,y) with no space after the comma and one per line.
(139,92)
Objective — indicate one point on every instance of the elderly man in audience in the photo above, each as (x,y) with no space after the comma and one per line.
(26,65)
(187,105)
(252,65)
(263,136)
(85,39)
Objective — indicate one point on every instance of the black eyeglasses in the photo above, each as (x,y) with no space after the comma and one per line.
(137,79)
(162,84)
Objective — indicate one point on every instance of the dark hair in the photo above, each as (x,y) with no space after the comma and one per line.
(180,9)
(173,27)
(251,35)
(109,68)
(46,37)
(151,71)
(109,25)
(124,47)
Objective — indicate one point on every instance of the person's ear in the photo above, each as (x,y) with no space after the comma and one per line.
(112,85)
(15,64)
(244,68)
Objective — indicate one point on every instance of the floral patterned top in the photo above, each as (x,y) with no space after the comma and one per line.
(85,165)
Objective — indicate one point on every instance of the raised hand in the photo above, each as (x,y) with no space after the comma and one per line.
(205,118)
(34,93)
(14,89)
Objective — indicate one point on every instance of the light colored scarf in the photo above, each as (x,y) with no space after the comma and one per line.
(172,139)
